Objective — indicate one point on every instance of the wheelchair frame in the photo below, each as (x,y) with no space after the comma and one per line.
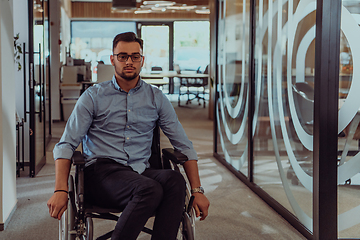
(76,222)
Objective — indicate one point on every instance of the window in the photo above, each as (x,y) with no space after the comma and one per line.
(191,45)
(92,40)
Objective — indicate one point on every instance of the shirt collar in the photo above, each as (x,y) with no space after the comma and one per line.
(117,87)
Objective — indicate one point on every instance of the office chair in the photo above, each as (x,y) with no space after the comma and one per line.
(156,69)
(77,220)
(198,83)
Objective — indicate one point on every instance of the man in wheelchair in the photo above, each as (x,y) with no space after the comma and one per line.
(114,121)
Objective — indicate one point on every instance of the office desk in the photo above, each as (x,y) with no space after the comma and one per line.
(156,78)
(171,75)
(154,81)
(86,84)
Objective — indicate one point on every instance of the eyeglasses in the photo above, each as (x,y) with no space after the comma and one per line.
(123,57)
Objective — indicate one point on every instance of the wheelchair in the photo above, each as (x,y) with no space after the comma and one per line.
(77,221)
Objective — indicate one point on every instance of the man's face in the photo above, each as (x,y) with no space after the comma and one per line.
(129,69)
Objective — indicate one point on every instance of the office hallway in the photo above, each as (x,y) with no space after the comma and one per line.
(235,211)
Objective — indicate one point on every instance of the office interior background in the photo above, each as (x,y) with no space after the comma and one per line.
(282,88)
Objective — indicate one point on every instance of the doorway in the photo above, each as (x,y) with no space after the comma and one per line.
(39,82)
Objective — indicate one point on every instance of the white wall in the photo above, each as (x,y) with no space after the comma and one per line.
(21,26)
(7,117)
(65,34)
(59,20)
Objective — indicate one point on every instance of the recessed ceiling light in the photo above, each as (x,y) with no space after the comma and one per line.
(142,11)
(159,3)
(158,9)
(202,11)
(181,7)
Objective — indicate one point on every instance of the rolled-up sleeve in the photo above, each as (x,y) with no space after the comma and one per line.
(172,128)
(76,127)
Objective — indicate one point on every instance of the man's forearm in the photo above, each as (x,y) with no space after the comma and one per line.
(192,173)
(62,170)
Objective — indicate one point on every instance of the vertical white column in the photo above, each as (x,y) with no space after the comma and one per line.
(7,116)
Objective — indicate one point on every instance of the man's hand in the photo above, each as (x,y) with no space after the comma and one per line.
(201,205)
(57,204)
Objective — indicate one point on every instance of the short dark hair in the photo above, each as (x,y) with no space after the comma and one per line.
(127,37)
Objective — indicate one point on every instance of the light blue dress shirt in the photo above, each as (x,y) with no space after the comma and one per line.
(112,123)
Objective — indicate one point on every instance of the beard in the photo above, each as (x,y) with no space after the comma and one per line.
(125,76)
(128,77)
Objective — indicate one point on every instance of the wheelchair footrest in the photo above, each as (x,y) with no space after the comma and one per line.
(107,216)
(105,236)
(108,235)
(147,230)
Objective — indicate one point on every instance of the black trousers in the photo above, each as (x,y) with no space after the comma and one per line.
(159,192)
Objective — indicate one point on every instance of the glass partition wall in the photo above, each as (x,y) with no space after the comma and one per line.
(284,95)
(348,128)
(233,82)
(287,108)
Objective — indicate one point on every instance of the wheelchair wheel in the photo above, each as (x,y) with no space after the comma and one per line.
(187,227)
(63,227)
(180,235)
(67,222)
(89,228)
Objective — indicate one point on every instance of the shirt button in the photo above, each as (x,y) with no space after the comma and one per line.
(127,138)
(128,126)
(129,110)
(129,94)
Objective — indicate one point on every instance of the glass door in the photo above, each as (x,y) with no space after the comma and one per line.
(39,79)
(348,125)
(46,82)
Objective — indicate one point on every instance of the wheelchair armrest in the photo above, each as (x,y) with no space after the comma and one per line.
(175,156)
(77,158)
